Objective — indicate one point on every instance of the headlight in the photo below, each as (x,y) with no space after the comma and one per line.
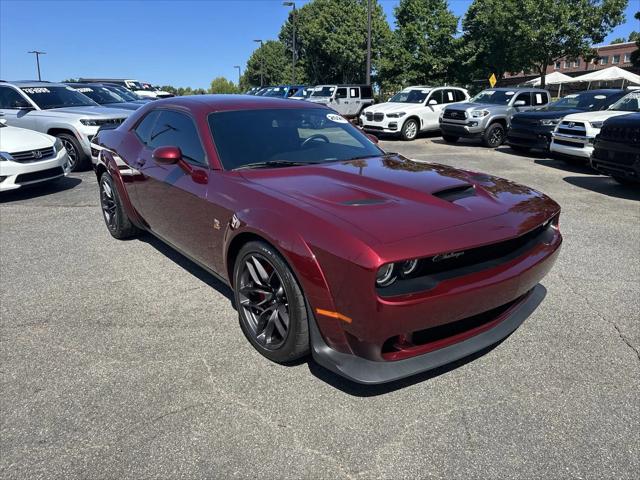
(5,157)
(596,124)
(58,145)
(408,267)
(396,114)
(89,123)
(386,275)
(550,122)
(480,113)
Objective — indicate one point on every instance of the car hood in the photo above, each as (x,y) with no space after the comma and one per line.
(392,198)
(389,107)
(125,105)
(594,116)
(476,106)
(93,112)
(14,139)
(546,114)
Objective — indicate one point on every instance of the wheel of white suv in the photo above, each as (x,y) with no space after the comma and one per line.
(410,129)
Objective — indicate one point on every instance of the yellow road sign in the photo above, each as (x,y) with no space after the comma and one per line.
(493,80)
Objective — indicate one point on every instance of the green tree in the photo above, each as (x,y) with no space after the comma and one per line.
(222,85)
(618,40)
(635,55)
(331,40)
(421,50)
(272,60)
(634,36)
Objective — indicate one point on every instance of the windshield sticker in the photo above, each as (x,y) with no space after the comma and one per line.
(572,96)
(508,94)
(600,97)
(336,118)
(489,92)
(83,89)
(450,96)
(36,90)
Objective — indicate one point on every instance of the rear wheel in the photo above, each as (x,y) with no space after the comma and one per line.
(493,136)
(450,138)
(78,160)
(114,215)
(410,129)
(271,306)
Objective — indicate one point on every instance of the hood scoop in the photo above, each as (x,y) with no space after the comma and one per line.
(362,201)
(454,194)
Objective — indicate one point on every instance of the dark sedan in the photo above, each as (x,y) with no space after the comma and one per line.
(380,266)
(532,130)
(104,96)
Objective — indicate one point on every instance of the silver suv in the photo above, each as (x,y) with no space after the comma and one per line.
(347,100)
(60,111)
(488,114)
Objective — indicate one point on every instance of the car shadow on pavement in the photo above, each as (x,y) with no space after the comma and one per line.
(359,390)
(190,266)
(40,189)
(463,142)
(572,167)
(606,186)
(533,154)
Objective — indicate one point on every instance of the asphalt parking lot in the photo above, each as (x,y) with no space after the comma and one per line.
(125,360)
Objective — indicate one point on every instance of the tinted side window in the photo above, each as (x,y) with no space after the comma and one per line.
(366,92)
(341,93)
(540,98)
(10,99)
(459,95)
(354,92)
(437,96)
(449,96)
(177,130)
(143,130)
(525,97)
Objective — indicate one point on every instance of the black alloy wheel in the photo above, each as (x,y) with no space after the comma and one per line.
(115,217)
(494,136)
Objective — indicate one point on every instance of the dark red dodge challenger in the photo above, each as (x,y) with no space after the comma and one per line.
(379,266)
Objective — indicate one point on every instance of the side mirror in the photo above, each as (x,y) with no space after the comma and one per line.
(432,102)
(519,103)
(167,155)
(372,137)
(3,121)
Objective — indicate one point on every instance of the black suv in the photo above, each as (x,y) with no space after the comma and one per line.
(533,129)
(617,149)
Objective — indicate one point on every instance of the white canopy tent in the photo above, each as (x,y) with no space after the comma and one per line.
(608,75)
(554,78)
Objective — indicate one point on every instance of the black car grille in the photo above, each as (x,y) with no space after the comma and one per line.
(613,156)
(34,155)
(454,114)
(620,134)
(41,175)
(523,122)
(374,117)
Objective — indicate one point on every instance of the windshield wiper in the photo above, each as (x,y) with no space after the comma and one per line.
(274,164)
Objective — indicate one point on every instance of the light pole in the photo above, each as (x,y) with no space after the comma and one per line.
(261,62)
(293,42)
(368,42)
(239,75)
(37,54)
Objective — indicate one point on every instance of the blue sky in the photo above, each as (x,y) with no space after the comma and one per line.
(180,43)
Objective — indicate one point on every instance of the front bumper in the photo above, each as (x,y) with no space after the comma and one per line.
(617,160)
(362,370)
(531,138)
(462,129)
(16,174)
(388,125)
(572,145)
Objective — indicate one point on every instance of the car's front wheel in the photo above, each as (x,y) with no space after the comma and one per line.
(493,136)
(78,160)
(410,129)
(115,217)
(271,306)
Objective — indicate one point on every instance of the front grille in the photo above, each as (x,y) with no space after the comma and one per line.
(620,134)
(455,114)
(572,128)
(622,158)
(34,155)
(568,144)
(41,175)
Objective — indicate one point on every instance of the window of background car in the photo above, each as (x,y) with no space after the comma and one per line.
(10,99)
(354,92)
(323,91)
(100,95)
(341,93)
(437,96)
(460,96)
(629,103)
(493,97)
(57,97)
(298,135)
(540,98)
(143,130)
(366,91)
(412,96)
(524,97)
(449,96)
(174,129)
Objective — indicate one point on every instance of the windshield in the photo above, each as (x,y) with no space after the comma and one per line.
(134,85)
(493,97)
(581,101)
(629,103)
(412,96)
(57,97)
(323,91)
(100,95)
(299,135)
(128,95)
(301,93)
(275,92)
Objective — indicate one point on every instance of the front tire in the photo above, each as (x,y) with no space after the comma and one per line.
(78,160)
(115,217)
(271,306)
(493,136)
(410,129)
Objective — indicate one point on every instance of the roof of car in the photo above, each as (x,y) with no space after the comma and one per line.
(222,102)
(517,89)
(601,91)
(34,83)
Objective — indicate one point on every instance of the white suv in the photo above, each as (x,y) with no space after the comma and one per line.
(575,134)
(411,111)
(60,111)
